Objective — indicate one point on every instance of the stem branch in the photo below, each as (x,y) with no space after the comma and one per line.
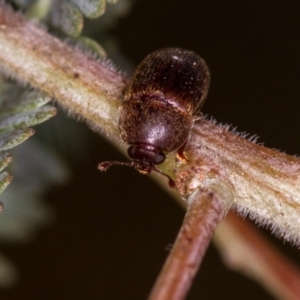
(205,210)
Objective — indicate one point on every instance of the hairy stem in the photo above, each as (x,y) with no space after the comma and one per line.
(88,88)
(265,183)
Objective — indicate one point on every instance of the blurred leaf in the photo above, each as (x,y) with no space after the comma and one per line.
(68,18)
(91,45)
(5,159)
(14,138)
(91,8)
(39,9)
(26,119)
(19,109)
(5,180)
(34,167)
(15,99)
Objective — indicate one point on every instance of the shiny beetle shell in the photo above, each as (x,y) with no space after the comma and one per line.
(162,101)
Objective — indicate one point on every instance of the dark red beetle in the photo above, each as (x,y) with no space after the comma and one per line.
(161,103)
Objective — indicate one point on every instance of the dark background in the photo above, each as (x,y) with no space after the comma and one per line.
(113,229)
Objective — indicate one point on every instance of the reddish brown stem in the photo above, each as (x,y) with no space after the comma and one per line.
(244,249)
(204,213)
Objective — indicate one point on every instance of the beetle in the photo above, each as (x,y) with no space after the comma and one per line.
(161,103)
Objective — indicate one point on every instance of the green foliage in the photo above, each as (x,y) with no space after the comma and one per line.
(91,8)
(34,167)
(68,18)
(24,210)
(65,15)
(19,110)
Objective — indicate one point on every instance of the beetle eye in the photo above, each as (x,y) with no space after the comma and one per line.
(146,154)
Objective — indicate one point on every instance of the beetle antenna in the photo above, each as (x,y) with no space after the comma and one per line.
(107,164)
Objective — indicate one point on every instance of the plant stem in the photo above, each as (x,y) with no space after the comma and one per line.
(88,88)
(205,211)
(266,183)
(238,239)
